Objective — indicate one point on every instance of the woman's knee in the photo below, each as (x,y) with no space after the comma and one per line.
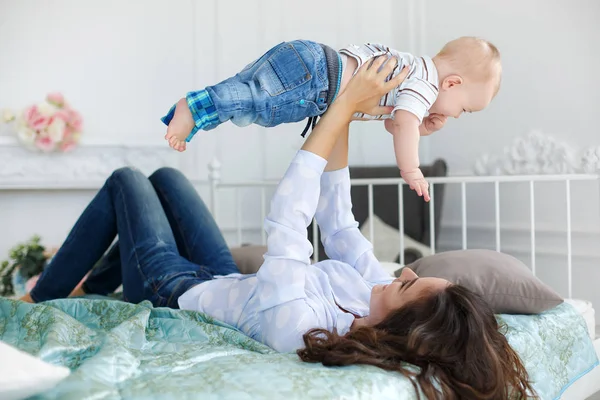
(126,173)
(130,177)
(166,172)
(167,176)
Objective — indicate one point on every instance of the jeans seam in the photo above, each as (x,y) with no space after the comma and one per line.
(131,238)
(274,110)
(306,70)
(168,301)
(178,226)
(317,56)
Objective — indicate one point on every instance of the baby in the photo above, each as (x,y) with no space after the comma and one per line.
(300,79)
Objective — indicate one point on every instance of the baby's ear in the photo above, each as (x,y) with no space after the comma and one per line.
(452,81)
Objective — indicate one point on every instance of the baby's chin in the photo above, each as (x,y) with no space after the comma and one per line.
(434,110)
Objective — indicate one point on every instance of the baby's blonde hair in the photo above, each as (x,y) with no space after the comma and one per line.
(473,58)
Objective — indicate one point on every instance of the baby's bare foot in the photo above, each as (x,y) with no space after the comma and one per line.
(180,127)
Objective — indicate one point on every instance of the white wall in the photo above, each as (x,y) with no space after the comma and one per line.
(550,60)
(123,63)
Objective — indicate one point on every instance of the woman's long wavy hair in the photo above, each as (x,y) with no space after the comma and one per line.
(451,335)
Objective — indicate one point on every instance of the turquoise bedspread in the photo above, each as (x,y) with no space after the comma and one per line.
(119,351)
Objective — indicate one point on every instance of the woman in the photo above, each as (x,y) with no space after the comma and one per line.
(342,311)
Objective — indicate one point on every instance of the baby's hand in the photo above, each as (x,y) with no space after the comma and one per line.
(416,181)
(432,123)
(180,126)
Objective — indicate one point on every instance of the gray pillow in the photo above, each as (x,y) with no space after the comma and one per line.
(505,282)
(248,258)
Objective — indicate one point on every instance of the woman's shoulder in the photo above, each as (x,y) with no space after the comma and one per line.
(338,270)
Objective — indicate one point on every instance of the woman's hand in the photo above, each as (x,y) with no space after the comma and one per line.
(368,85)
(362,94)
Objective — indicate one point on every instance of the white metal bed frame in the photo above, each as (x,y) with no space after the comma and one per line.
(579,390)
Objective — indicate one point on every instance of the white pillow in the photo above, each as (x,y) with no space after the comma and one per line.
(22,375)
(390,267)
(386,246)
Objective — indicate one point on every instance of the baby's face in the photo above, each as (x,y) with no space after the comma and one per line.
(455,99)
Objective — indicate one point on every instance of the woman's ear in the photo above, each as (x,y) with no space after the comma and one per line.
(452,81)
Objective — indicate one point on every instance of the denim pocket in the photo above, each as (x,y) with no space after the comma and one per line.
(294,112)
(283,71)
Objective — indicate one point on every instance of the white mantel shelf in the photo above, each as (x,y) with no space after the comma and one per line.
(86,168)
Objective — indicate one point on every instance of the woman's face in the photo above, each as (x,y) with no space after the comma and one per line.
(390,297)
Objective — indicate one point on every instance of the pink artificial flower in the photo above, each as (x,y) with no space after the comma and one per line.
(69,132)
(75,120)
(62,114)
(51,125)
(67,146)
(56,129)
(45,144)
(56,98)
(34,119)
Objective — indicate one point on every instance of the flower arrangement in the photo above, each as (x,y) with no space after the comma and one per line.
(26,261)
(51,125)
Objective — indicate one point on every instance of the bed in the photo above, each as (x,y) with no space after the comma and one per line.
(117,350)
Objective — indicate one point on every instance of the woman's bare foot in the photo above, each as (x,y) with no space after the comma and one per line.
(77,292)
(180,126)
(27,299)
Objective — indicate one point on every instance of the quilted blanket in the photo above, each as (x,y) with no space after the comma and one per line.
(118,350)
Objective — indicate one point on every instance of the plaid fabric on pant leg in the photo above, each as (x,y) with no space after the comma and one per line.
(203,111)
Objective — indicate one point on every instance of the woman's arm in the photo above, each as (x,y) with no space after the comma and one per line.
(282,275)
(340,235)
(341,238)
(362,94)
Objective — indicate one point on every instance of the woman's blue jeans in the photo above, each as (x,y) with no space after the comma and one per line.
(167,242)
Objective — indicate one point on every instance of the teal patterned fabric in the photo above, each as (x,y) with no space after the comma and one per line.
(118,350)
